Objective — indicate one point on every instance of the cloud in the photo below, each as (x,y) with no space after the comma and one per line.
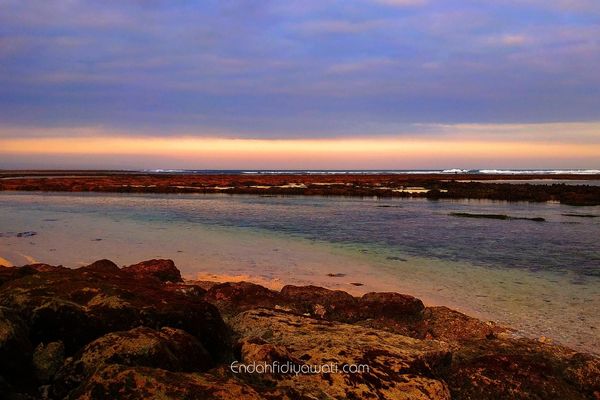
(401,3)
(340,26)
(310,69)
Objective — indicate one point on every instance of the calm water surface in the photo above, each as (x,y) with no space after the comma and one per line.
(540,277)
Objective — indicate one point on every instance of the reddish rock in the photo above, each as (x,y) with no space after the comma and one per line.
(438,185)
(443,323)
(134,383)
(169,349)
(391,366)
(189,290)
(101,266)
(77,306)
(40,267)
(11,273)
(123,329)
(320,302)
(391,305)
(163,270)
(521,369)
(234,297)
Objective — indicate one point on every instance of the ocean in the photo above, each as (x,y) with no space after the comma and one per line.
(542,278)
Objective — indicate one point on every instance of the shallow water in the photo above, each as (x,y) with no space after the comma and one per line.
(542,278)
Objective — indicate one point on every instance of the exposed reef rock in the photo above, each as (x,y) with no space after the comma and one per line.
(399,367)
(168,348)
(47,359)
(163,270)
(431,186)
(136,383)
(139,332)
(77,306)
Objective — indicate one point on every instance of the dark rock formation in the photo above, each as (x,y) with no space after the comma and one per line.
(47,359)
(134,383)
(522,369)
(15,348)
(398,367)
(164,270)
(436,186)
(138,332)
(169,349)
(78,306)
(101,266)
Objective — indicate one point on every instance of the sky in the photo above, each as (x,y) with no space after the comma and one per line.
(360,84)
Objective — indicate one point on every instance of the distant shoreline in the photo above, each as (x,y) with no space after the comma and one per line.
(492,174)
(430,185)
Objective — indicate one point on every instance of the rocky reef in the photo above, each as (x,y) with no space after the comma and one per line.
(141,332)
(430,186)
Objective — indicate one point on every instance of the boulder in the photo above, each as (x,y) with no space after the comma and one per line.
(385,365)
(390,305)
(47,359)
(443,323)
(168,348)
(163,270)
(522,369)
(8,274)
(55,319)
(15,348)
(234,297)
(320,302)
(101,266)
(133,383)
(80,305)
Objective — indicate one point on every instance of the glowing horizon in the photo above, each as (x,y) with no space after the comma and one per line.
(327,153)
(366,84)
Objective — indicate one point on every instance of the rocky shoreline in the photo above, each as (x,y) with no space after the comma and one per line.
(141,332)
(430,186)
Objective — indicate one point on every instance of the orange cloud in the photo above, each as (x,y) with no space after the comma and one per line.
(277,150)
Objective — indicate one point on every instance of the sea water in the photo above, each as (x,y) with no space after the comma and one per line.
(542,278)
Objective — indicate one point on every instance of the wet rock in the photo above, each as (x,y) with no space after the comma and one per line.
(234,297)
(11,273)
(391,366)
(133,383)
(26,234)
(257,350)
(136,335)
(390,305)
(40,267)
(163,270)
(15,348)
(445,324)
(47,359)
(189,290)
(320,302)
(168,348)
(101,266)
(583,370)
(521,369)
(78,306)
(54,319)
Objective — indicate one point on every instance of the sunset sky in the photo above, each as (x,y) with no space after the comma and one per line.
(360,84)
